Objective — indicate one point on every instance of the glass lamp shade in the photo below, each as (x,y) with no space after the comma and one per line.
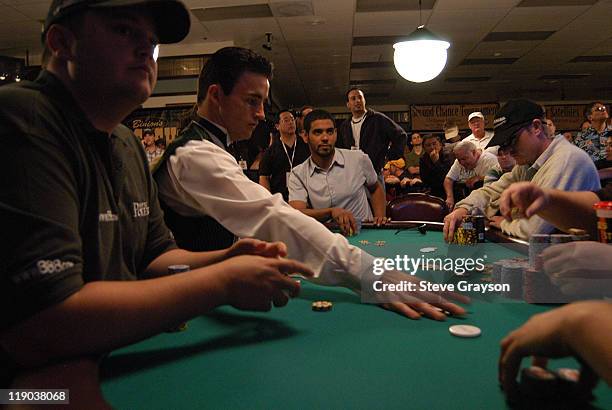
(421,57)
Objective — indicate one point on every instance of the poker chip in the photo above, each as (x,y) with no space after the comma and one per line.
(380,243)
(464,331)
(172,269)
(428,249)
(322,306)
(364,242)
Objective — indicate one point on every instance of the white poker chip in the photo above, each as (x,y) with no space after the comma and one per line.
(464,331)
(428,249)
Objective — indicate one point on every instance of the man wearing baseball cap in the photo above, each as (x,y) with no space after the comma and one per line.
(548,162)
(81,211)
(479,136)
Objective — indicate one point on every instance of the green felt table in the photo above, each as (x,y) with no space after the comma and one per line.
(355,356)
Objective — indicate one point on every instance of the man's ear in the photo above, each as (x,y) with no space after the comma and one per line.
(348,106)
(213,93)
(60,41)
(304,136)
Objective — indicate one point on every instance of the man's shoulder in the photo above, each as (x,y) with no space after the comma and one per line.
(566,151)
(301,169)
(22,100)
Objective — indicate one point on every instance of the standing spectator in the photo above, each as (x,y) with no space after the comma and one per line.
(434,165)
(304,111)
(370,131)
(282,156)
(469,168)
(479,137)
(593,139)
(452,138)
(413,156)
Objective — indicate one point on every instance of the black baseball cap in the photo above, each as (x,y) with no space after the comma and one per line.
(170,16)
(514,115)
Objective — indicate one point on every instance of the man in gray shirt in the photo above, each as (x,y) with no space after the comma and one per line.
(333,183)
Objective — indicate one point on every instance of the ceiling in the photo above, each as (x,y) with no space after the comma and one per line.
(547,50)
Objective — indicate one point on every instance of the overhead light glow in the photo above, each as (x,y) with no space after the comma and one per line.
(421,57)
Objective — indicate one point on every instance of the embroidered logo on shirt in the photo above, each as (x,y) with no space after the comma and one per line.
(108,216)
(43,267)
(141,209)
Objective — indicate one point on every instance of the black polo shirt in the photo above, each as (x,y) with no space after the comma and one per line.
(275,163)
(76,205)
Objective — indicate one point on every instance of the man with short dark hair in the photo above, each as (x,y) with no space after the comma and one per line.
(199,179)
(505,163)
(86,268)
(282,156)
(548,162)
(434,165)
(593,139)
(370,131)
(333,183)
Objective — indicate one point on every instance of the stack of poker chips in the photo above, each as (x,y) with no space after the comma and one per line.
(537,243)
(466,234)
(512,275)
(543,388)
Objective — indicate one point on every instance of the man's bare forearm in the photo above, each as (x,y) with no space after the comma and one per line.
(568,210)
(102,316)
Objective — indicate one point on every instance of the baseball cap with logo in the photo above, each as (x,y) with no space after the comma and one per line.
(171,18)
(514,115)
(475,114)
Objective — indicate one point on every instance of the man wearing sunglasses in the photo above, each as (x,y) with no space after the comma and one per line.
(549,162)
(593,139)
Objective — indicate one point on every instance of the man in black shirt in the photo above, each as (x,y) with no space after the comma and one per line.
(282,156)
(80,208)
(370,131)
(434,165)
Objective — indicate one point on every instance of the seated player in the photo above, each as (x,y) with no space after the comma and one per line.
(333,183)
(434,165)
(282,156)
(205,190)
(547,162)
(470,167)
(85,269)
(581,329)
(505,162)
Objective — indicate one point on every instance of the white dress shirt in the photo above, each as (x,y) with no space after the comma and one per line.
(203,179)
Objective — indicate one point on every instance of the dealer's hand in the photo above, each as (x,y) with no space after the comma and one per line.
(417,303)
